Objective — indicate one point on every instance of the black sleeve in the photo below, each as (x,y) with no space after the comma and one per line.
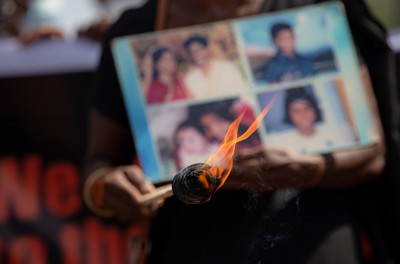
(370,38)
(106,96)
(382,198)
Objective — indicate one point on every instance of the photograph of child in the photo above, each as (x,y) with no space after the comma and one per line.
(195,132)
(309,120)
(215,117)
(192,146)
(287,47)
(200,63)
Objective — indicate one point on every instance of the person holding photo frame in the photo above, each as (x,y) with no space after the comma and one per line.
(225,230)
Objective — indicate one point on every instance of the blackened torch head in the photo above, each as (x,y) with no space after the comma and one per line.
(195,184)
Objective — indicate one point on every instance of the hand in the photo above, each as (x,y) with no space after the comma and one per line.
(264,169)
(97,30)
(123,188)
(250,7)
(41,32)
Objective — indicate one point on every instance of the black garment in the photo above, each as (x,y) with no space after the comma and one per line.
(106,95)
(231,228)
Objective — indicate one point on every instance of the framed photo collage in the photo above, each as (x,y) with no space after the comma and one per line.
(183,87)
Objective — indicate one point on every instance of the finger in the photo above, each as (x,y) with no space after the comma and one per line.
(250,164)
(253,185)
(253,173)
(250,153)
(136,176)
(119,206)
(127,207)
(124,211)
(124,201)
(118,185)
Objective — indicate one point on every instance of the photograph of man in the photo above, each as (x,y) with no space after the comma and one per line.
(287,64)
(287,48)
(208,76)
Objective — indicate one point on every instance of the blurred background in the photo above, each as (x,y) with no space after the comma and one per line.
(49,50)
(387,13)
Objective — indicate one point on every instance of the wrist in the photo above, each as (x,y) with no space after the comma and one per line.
(319,169)
(93,192)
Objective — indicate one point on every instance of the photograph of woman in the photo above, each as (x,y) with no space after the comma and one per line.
(189,65)
(161,78)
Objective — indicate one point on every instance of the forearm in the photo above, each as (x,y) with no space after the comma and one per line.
(266,169)
(111,189)
(350,168)
(94,163)
(109,144)
(353,167)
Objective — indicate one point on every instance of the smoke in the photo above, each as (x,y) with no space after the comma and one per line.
(275,218)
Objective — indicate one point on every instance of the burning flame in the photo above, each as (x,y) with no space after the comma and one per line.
(220,163)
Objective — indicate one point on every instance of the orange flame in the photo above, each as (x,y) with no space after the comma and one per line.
(220,163)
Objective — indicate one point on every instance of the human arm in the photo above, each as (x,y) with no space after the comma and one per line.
(40,32)
(270,168)
(124,185)
(265,169)
(109,148)
(96,30)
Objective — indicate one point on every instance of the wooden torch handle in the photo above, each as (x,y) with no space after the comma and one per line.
(162,192)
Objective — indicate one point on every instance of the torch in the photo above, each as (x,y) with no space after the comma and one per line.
(198,182)
(188,186)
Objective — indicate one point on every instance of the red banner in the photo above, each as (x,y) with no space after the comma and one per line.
(43,218)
